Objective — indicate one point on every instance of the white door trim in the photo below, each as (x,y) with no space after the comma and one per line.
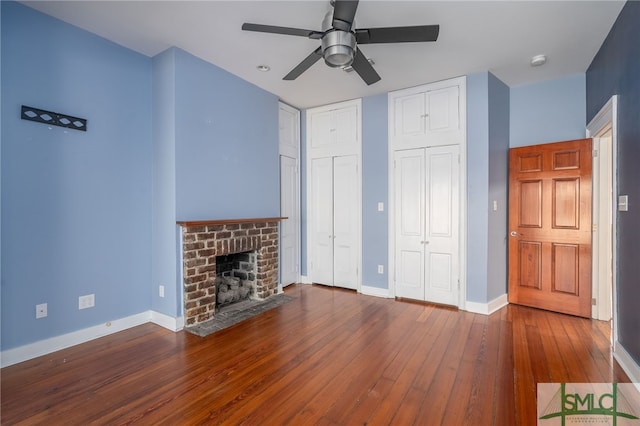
(462,83)
(606,118)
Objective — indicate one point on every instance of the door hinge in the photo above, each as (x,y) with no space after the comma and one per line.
(595,152)
(595,227)
(593,301)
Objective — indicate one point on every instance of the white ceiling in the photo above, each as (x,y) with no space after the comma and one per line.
(500,37)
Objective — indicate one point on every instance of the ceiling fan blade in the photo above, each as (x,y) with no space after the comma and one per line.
(282,30)
(343,13)
(397,34)
(364,69)
(304,65)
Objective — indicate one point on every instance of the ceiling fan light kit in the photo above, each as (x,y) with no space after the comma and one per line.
(338,48)
(339,40)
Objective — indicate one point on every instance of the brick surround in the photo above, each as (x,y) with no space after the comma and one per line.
(203,241)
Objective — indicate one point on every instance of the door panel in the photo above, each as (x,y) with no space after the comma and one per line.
(289,131)
(345,221)
(322,222)
(410,116)
(442,235)
(443,116)
(565,212)
(345,131)
(550,226)
(410,197)
(321,129)
(289,226)
(530,264)
(530,204)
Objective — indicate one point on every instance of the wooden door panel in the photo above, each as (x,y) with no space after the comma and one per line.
(550,226)
(564,268)
(565,209)
(565,160)
(530,264)
(529,163)
(530,204)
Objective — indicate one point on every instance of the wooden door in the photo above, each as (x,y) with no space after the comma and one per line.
(289,227)
(550,226)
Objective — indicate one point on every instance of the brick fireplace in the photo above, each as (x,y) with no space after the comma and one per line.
(204,241)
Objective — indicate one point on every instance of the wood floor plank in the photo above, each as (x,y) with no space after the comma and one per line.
(328,357)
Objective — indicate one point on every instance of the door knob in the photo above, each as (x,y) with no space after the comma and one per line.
(515,234)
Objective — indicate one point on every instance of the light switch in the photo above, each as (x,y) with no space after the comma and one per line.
(623,203)
(495,205)
(380,206)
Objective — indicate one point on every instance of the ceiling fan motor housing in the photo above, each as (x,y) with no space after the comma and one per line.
(338,47)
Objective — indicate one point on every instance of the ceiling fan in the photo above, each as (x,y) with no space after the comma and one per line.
(339,40)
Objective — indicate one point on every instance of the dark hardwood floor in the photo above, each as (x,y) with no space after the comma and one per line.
(329,357)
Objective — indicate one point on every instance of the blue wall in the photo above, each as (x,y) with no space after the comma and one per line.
(549,111)
(227,163)
(499,123)
(215,156)
(487,178)
(76,206)
(375,246)
(165,264)
(616,70)
(477,185)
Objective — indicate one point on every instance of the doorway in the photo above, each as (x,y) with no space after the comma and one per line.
(603,130)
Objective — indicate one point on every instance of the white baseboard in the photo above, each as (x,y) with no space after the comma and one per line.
(375,291)
(627,363)
(47,346)
(304,279)
(487,308)
(166,321)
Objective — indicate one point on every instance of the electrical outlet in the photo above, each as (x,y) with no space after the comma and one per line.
(88,301)
(161,291)
(381,269)
(41,310)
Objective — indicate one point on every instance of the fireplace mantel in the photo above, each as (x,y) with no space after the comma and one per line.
(229,221)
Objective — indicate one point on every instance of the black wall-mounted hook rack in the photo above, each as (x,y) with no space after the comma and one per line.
(53,118)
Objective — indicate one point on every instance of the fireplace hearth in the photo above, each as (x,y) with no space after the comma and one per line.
(205,244)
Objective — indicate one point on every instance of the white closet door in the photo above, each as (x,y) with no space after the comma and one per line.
(322,220)
(288,227)
(442,230)
(426,221)
(443,119)
(289,119)
(343,125)
(409,124)
(345,221)
(409,205)
(322,129)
